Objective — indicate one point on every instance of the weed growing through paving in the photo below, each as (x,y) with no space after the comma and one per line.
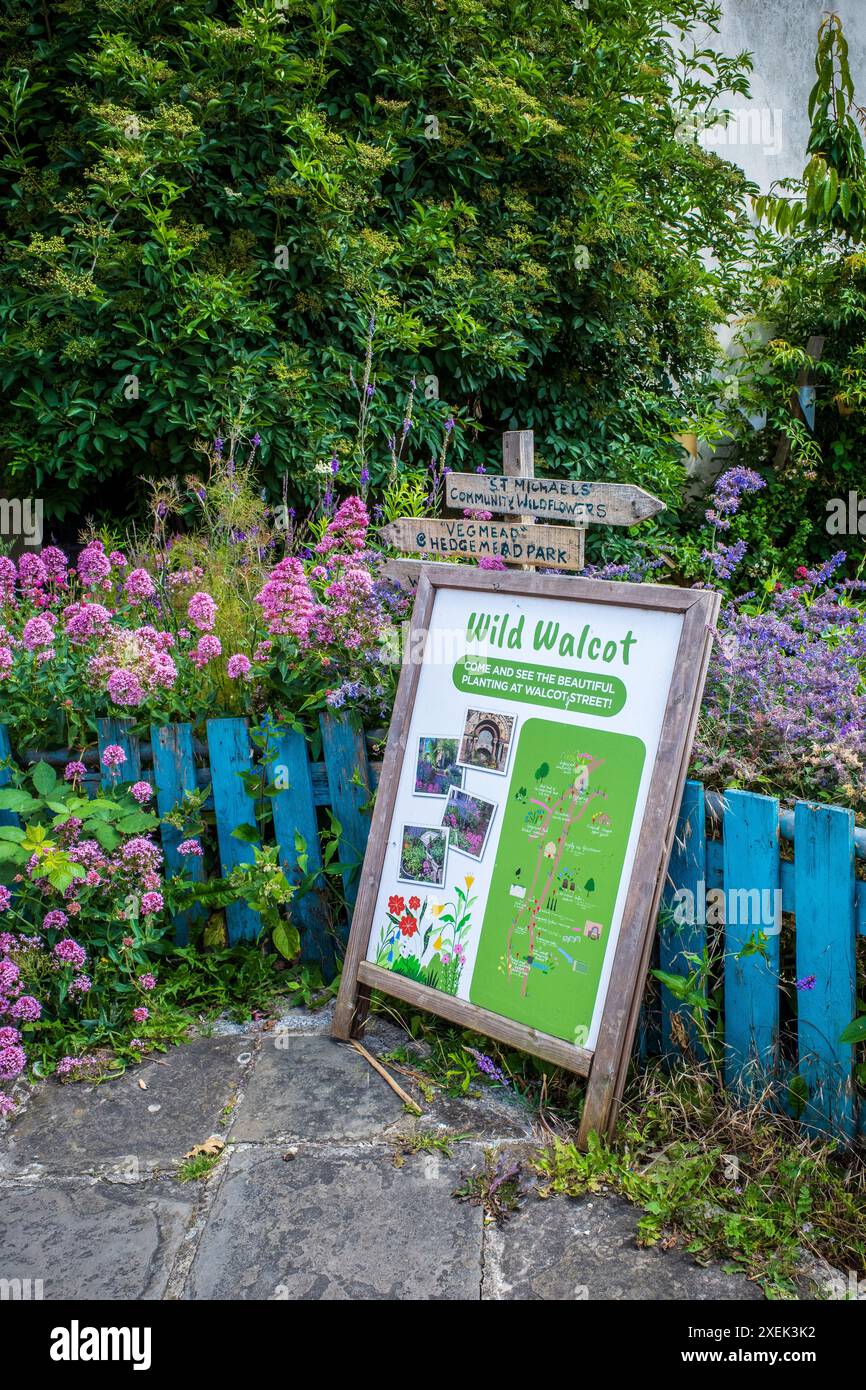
(499,1189)
(426,1141)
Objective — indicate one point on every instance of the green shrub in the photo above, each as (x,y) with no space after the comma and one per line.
(207,203)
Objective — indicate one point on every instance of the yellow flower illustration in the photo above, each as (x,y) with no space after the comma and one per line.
(437,944)
(437,908)
(469,880)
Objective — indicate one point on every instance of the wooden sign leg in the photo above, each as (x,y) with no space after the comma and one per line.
(353,1007)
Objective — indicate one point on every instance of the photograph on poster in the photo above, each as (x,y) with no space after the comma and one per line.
(436,768)
(423,854)
(486,740)
(468,819)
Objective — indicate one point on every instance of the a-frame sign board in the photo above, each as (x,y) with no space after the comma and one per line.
(526,812)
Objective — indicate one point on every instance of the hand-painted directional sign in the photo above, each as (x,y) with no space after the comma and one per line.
(512,542)
(554,499)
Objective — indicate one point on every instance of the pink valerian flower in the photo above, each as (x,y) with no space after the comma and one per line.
(77,1067)
(287,601)
(239,667)
(82,984)
(6,661)
(8,578)
(263,650)
(83,621)
(137,1044)
(89,853)
(208,649)
(5,897)
(347,530)
(38,632)
(9,1037)
(55,562)
(32,573)
(141,854)
(70,953)
(113,756)
(141,652)
(74,771)
(27,1009)
(140,1015)
(139,586)
(7,1106)
(190,847)
(94,565)
(12,1062)
(125,689)
(9,977)
(118,559)
(201,611)
(142,791)
(491,562)
(151,903)
(55,920)
(147,981)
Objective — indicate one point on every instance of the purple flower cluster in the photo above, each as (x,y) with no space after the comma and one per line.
(785,701)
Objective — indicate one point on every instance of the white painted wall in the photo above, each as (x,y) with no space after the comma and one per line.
(768,138)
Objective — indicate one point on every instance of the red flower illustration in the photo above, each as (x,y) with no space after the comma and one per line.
(414,904)
(408,925)
(396,905)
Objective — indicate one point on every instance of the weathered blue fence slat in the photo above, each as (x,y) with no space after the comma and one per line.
(729,842)
(685,894)
(6,817)
(295,818)
(753,919)
(826,965)
(349,783)
(229,746)
(173,775)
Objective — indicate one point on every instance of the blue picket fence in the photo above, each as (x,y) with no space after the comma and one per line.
(738,860)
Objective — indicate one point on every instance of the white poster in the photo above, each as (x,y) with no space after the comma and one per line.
(533,739)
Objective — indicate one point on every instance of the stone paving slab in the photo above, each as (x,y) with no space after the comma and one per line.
(564,1248)
(93,1240)
(332,1225)
(118,1125)
(312,1088)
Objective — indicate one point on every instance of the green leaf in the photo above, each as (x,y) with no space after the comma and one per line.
(44,778)
(13,799)
(286,939)
(248,833)
(855,1032)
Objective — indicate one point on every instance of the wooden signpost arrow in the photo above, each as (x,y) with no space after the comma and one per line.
(516,492)
(553,499)
(557,547)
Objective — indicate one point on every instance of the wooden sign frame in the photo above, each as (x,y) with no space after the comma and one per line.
(605,1066)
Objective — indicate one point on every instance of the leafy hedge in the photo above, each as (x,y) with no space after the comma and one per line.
(207,202)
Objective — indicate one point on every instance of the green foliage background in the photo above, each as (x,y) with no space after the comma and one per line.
(214,198)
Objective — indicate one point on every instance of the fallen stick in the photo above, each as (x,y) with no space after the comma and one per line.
(398,1090)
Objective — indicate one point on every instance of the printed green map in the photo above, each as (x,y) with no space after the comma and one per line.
(559,860)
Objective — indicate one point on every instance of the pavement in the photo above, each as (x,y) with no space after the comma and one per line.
(327,1188)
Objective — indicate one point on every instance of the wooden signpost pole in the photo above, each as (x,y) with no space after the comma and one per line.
(518,461)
